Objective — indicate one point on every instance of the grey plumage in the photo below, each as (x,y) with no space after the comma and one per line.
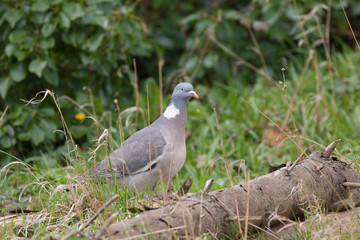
(155,153)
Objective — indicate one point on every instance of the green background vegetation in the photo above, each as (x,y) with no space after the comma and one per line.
(231,51)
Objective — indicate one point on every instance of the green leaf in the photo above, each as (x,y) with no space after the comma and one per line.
(17,36)
(49,127)
(18,72)
(37,17)
(13,16)
(95,18)
(64,20)
(94,42)
(74,10)
(46,112)
(9,49)
(14,113)
(7,142)
(5,84)
(37,135)
(78,131)
(48,29)
(40,5)
(21,54)
(47,43)
(23,136)
(93,2)
(22,119)
(51,76)
(37,66)
(210,60)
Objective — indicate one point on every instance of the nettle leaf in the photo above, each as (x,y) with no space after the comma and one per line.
(74,10)
(12,16)
(17,36)
(18,72)
(48,29)
(41,5)
(5,84)
(94,42)
(37,67)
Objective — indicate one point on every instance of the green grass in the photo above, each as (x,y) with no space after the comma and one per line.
(325,107)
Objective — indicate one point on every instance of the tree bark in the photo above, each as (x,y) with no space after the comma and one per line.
(261,202)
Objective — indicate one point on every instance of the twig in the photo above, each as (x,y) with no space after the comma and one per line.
(99,212)
(3,115)
(296,162)
(329,149)
(185,187)
(160,67)
(247,206)
(347,20)
(136,87)
(103,229)
(208,185)
(73,232)
(351,184)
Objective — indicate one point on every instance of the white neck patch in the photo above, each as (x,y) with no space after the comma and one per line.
(171,111)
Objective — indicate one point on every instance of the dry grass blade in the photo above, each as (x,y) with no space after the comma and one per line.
(297,160)
(228,172)
(348,22)
(99,212)
(104,228)
(3,115)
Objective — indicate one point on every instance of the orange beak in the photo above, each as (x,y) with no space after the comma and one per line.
(194,94)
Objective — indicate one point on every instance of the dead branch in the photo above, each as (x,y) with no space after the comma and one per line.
(329,149)
(270,198)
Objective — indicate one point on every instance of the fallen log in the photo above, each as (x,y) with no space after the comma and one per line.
(262,202)
(320,226)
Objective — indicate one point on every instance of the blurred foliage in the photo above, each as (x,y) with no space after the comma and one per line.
(84,51)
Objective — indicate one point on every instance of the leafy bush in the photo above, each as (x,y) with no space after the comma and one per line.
(85,49)
(63,45)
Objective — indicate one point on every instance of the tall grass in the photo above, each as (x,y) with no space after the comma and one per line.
(315,102)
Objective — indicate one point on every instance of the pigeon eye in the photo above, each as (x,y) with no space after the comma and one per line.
(182,89)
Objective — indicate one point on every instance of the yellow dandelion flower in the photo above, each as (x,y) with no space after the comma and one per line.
(80,116)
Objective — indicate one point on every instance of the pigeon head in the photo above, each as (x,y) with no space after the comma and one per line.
(180,96)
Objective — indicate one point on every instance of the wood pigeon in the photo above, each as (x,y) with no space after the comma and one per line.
(153,154)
